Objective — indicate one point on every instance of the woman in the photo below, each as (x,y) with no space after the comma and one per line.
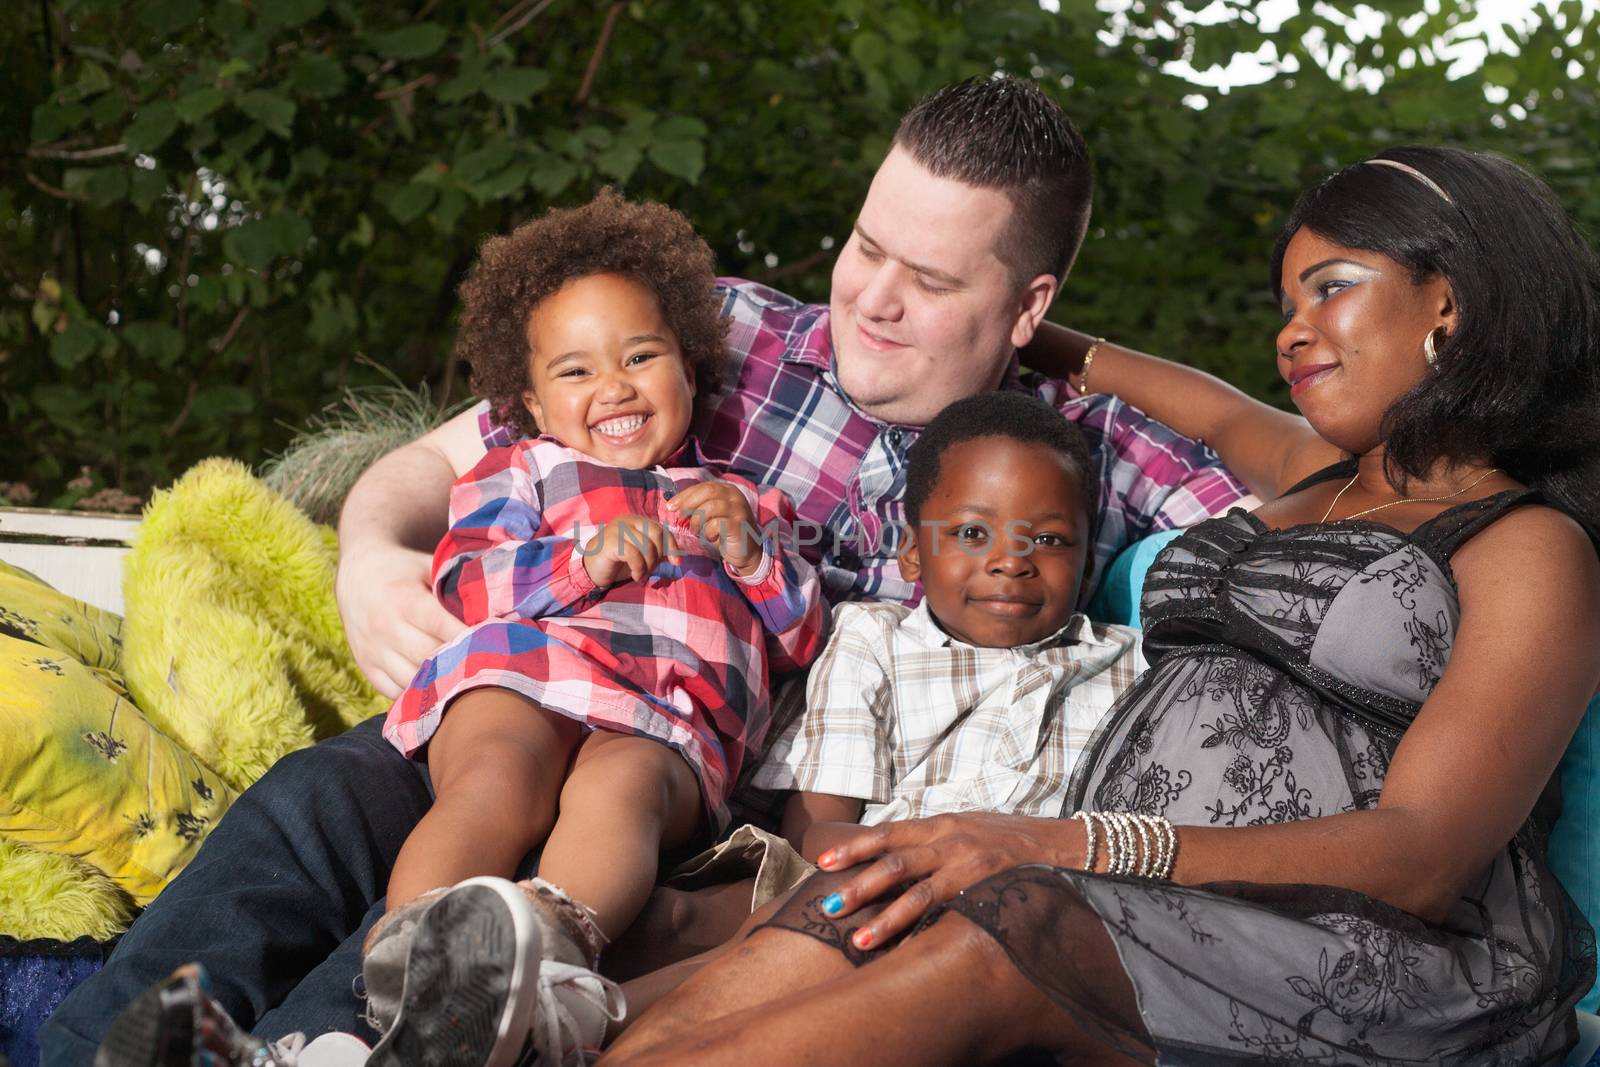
(1358,698)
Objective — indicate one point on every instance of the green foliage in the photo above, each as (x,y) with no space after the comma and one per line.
(210,209)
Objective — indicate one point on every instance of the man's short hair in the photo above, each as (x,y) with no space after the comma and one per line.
(1003,133)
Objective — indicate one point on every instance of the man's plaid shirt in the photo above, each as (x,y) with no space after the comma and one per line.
(780,419)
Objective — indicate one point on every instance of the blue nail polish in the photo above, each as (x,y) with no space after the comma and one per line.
(832,903)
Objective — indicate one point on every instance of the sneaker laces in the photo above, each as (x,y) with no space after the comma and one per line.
(284,1052)
(574,1006)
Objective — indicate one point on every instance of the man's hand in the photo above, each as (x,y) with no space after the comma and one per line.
(720,516)
(627,547)
(391,618)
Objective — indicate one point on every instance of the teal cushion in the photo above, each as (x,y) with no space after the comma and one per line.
(1117,599)
(1575,842)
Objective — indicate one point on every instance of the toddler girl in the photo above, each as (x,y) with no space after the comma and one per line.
(627,602)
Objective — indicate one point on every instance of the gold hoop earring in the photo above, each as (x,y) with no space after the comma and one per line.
(1428,352)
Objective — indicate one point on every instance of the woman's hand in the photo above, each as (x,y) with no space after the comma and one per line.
(720,516)
(940,856)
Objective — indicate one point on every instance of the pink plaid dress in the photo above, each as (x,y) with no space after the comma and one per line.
(682,657)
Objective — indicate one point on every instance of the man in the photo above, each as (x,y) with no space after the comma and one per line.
(970,226)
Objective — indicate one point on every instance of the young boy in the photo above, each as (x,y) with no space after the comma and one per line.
(980,698)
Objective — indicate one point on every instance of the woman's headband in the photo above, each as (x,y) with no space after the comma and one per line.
(1414,172)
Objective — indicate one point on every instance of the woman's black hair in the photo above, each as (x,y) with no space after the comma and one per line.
(1517,381)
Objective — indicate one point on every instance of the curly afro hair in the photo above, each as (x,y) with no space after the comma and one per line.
(650,243)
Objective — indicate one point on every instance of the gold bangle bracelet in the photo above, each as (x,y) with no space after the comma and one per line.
(1088,361)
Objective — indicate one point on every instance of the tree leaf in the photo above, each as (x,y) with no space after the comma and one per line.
(411,42)
(192,107)
(452,202)
(290,232)
(92,79)
(50,120)
(64,405)
(317,75)
(155,122)
(108,110)
(72,345)
(681,128)
(411,201)
(166,17)
(106,184)
(145,187)
(216,401)
(292,13)
(686,159)
(619,161)
(552,176)
(475,165)
(155,341)
(515,85)
(271,110)
(250,244)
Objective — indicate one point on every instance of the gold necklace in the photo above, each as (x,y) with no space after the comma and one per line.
(1402,500)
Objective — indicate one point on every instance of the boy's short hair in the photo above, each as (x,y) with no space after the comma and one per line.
(1004,133)
(1017,416)
(649,243)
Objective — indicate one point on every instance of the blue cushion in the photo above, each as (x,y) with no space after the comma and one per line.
(1117,599)
(1575,842)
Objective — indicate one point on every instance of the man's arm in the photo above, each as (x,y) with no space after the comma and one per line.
(1267,448)
(393,518)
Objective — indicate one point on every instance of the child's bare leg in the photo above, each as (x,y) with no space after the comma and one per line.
(677,924)
(497,762)
(624,800)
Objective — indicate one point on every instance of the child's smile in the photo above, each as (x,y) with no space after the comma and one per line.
(608,376)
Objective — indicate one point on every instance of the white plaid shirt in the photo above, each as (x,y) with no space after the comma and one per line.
(915,722)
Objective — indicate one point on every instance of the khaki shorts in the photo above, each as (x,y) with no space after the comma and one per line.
(749,852)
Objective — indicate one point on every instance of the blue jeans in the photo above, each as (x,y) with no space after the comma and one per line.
(276,902)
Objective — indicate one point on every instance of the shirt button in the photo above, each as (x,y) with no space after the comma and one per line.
(668,494)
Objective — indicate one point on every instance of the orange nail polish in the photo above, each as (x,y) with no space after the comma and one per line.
(863,938)
(826,859)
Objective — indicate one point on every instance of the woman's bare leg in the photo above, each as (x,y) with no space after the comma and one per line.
(677,924)
(771,963)
(497,762)
(949,995)
(624,800)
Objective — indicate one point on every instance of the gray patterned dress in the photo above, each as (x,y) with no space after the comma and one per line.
(1286,666)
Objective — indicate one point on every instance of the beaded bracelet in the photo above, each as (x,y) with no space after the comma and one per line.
(1145,846)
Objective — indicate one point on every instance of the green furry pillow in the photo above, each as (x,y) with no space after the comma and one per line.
(46,895)
(232,642)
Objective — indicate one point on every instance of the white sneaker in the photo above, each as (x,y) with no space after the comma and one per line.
(328,1050)
(573,1007)
(469,977)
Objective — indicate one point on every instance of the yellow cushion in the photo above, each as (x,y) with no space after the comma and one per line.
(82,772)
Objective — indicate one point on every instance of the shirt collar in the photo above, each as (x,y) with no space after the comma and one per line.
(687,454)
(814,347)
(920,625)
